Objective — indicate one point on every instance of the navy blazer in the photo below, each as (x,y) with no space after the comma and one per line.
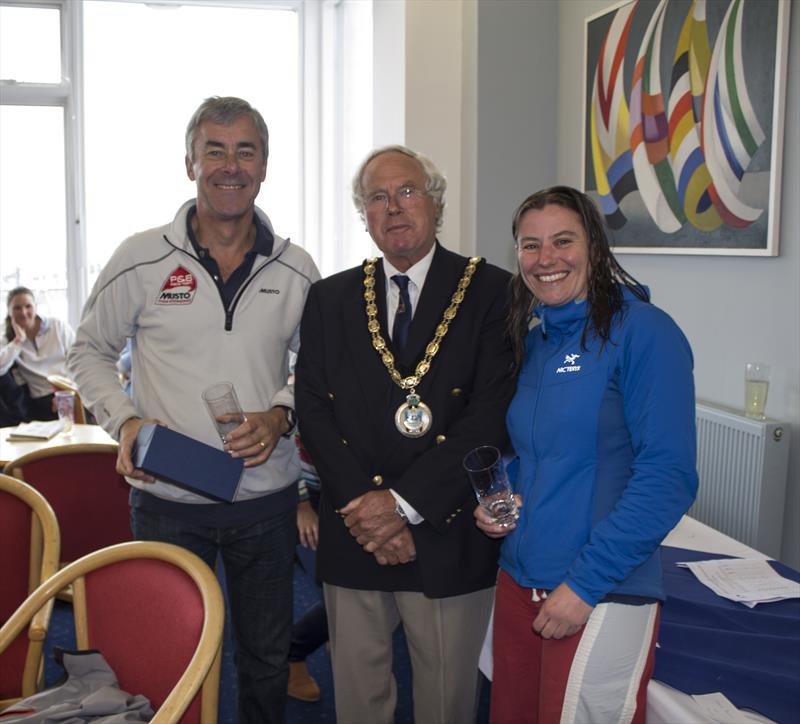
(346,403)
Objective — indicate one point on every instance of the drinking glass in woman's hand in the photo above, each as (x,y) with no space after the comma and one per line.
(487,473)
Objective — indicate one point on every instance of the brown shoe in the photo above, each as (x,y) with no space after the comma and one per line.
(301,684)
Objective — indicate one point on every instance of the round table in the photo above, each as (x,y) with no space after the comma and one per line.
(80,434)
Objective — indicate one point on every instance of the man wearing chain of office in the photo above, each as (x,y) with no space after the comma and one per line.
(404,367)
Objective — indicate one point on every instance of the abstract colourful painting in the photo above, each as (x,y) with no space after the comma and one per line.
(683,124)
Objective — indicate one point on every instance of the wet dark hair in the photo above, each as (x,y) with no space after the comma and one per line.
(13,293)
(606,276)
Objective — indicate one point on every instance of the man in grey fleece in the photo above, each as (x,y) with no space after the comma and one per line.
(214,295)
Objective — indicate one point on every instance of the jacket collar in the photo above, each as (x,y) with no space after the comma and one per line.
(268,243)
(562,318)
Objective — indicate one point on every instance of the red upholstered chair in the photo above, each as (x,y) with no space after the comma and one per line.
(155,611)
(28,555)
(82,485)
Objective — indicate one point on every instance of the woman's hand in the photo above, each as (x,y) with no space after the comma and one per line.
(487,524)
(562,614)
(19,332)
(307,525)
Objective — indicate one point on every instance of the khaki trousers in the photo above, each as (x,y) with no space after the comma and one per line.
(444,638)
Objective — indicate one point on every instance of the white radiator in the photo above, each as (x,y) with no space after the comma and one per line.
(742,465)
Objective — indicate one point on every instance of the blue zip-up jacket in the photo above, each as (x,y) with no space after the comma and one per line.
(606,444)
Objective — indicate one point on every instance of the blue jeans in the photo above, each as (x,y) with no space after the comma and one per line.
(258,562)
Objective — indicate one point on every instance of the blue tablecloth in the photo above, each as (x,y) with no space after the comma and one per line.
(707,643)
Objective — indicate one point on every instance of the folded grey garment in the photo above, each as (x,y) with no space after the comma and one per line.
(89,694)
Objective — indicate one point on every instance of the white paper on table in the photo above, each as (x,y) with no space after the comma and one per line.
(719,708)
(744,580)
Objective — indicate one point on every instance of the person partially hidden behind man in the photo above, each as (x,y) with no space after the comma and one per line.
(404,367)
(190,297)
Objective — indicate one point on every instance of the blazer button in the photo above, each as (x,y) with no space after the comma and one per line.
(378,480)
(330,396)
(456,392)
(344,442)
(440,439)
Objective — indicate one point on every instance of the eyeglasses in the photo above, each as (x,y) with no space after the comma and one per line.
(406,196)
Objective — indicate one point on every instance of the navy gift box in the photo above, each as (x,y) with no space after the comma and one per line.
(188,463)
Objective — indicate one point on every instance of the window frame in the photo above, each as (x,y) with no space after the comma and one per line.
(67,95)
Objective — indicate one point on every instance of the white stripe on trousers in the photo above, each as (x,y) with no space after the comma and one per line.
(609,663)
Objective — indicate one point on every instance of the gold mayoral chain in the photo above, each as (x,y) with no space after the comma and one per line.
(413,418)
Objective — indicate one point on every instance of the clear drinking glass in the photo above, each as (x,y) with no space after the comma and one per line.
(756,387)
(65,406)
(487,473)
(224,408)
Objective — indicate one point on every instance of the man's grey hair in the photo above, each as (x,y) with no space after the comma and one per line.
(224,111)
(435,182)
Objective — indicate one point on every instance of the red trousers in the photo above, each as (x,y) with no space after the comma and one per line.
(598,675)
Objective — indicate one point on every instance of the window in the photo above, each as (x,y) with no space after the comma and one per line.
(32,204)
(30,44)
(95,99)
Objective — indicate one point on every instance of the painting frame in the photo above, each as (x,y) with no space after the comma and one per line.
(634,190)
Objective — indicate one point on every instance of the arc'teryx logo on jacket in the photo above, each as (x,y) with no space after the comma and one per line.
(569,362)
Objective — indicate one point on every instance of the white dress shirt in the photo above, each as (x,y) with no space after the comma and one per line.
(416,280)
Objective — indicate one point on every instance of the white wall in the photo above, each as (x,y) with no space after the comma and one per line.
(517,121)
(527,135)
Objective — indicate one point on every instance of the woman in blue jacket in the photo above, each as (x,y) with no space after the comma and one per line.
(603,425)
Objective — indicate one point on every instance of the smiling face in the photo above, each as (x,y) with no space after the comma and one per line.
(553,255)
(404,229)
(22,310)
(228,167)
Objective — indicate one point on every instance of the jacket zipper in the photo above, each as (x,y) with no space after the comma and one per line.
(533,444)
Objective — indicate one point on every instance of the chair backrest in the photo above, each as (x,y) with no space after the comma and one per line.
(156,613)
(64,383)
(29,554)
(88,495)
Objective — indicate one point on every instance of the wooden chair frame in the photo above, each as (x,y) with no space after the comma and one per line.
(44,547)
(203,669)
(64,383)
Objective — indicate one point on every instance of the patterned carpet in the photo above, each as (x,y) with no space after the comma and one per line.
(306,593)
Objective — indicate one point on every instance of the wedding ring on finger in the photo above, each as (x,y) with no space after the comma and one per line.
(263,444)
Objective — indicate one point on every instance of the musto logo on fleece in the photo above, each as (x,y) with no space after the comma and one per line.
(179,287)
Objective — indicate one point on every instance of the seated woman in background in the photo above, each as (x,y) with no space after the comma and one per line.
(603,425)
(35,347)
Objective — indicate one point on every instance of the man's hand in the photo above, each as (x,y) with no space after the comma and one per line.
(399,549)
(307,525)
(127,439)
(562,614)
(372,520)
(486,523)
(256,438)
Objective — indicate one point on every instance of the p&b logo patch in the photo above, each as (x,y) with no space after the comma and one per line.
(179,287)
